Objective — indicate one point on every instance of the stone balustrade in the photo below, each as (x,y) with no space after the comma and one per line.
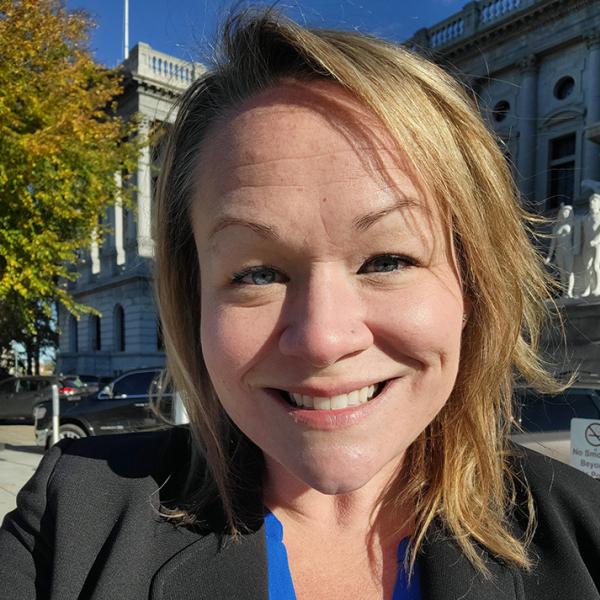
(495,10)
(447,32)
(474,17)
(150,64)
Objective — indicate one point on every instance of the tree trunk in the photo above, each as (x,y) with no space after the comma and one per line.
(36,358)
(29,355)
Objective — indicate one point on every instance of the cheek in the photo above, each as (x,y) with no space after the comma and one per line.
(421,322)
(234,338)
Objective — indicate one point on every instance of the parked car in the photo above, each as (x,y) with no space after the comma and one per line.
(545,420)
(123,406)
(18,395)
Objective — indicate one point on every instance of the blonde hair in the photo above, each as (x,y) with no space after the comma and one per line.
(459,468)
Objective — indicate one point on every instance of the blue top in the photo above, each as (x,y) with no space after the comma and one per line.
(281,586)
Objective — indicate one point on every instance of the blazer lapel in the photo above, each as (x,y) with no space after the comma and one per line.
(215,567)
(446,574)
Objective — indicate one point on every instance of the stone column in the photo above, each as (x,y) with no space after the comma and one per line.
(119,236)
(144,195)
(527,121)
(107,250)
(94,256)
(591,150)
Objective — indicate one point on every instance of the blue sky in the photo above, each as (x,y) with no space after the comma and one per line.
(185,28)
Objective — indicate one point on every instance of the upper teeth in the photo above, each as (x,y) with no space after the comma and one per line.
(335,402)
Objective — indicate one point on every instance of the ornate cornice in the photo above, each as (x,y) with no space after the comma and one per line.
(528,64)
(521,22)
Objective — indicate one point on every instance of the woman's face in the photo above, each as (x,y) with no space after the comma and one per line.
(327,279)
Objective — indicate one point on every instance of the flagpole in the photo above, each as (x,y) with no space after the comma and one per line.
(126,31)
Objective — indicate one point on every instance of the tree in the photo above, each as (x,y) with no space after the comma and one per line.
(61,143)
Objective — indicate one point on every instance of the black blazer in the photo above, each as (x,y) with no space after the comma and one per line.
(88,526)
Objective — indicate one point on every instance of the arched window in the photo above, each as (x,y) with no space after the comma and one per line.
(73,337)
(95,329)
(119,331)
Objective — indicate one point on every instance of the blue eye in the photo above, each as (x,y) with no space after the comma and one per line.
(386,263)
(259,276)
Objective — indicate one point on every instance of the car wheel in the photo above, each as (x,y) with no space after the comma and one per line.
(71,432)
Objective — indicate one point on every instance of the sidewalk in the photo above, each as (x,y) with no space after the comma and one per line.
(19,458)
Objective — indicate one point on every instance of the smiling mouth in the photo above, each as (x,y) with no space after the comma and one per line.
(338,402)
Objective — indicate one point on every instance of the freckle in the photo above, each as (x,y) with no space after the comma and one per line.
(324,200)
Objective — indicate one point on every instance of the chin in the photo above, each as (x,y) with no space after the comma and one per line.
(342,476)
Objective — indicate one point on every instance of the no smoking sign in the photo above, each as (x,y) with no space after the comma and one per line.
(585,446)
(592,434)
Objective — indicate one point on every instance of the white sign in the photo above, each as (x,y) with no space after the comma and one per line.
(585,446)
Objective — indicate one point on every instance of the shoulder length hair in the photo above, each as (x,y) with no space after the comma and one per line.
(458,470)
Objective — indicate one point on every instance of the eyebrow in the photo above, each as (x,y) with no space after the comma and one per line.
(263,230)
(361,224)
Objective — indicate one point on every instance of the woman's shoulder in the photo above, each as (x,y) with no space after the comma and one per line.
(565,499)
(553,480)
(566,540)
(116,468)
(134,452)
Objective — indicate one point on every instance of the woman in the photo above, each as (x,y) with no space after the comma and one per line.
(347,293)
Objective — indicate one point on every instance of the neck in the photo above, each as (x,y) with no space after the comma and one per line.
(347,515)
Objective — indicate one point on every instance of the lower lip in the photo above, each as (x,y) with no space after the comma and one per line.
(331,419)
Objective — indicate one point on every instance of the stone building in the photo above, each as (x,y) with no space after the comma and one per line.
(116,278)
(535,68)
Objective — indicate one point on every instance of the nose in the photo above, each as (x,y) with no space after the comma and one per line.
(325,321)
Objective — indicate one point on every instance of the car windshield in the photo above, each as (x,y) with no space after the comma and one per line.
(134,384)
(544,412)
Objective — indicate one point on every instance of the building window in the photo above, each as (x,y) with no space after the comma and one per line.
(564,88)
(73,337)
(119,324)
(500,110)
(95,328)
(561,170)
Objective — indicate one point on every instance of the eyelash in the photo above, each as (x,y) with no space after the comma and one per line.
(238,278)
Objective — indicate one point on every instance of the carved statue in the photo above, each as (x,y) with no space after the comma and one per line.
(562,248)
(591,246)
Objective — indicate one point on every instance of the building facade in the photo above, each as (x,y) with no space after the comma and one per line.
(116,278)
(534,66)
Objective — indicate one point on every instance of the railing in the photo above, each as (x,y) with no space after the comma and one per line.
(497,9)
(475,16)
(148,63)
(447,32)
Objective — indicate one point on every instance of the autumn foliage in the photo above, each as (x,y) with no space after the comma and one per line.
(61,144)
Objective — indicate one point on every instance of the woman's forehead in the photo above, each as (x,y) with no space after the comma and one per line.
(302,134)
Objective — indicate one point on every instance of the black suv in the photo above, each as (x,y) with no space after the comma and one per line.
(18,395)
(123,406)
